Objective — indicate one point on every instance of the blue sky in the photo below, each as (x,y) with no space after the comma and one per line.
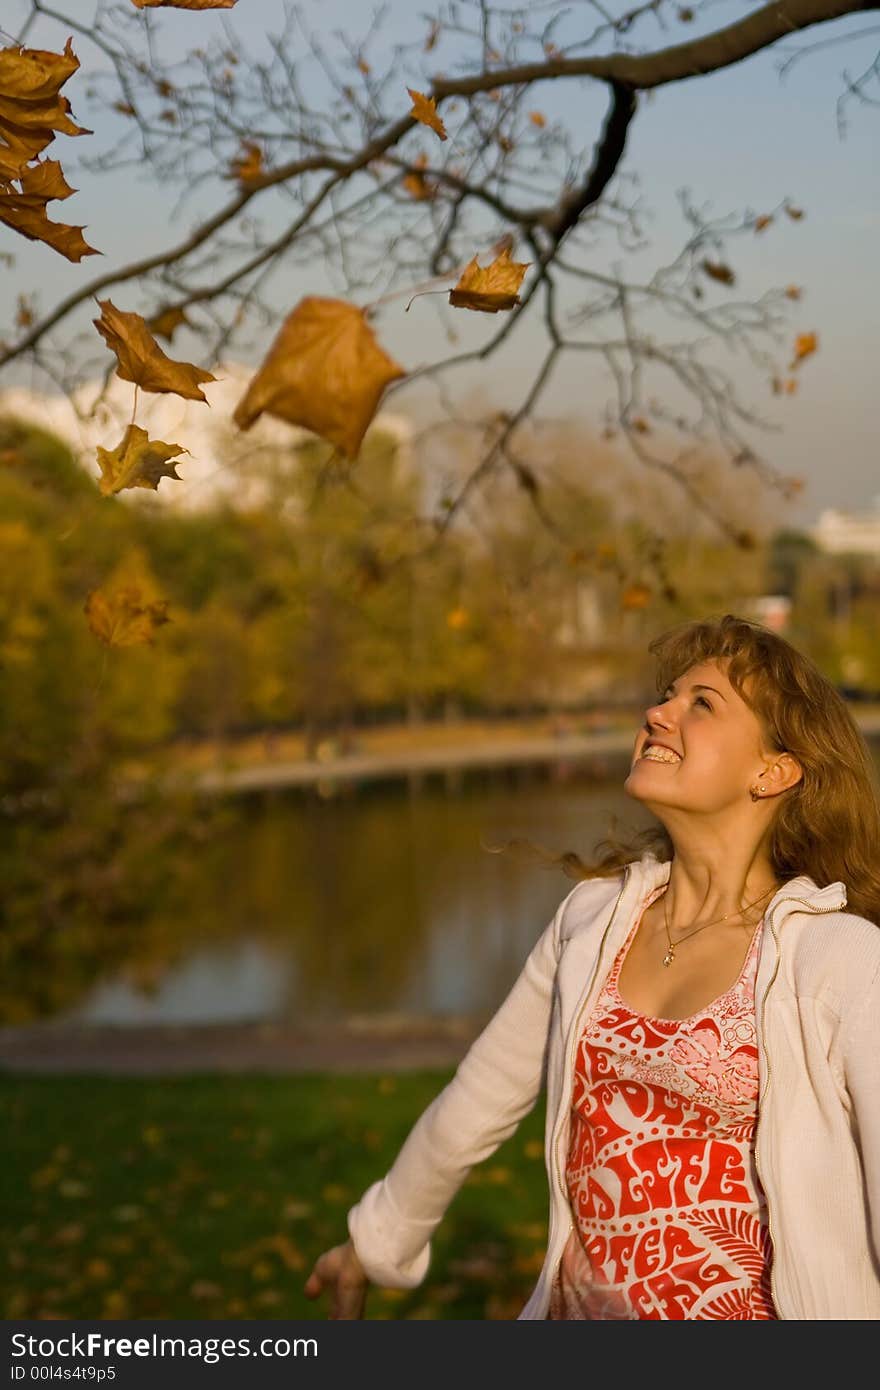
(741,139)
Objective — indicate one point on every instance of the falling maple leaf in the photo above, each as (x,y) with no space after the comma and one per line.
(716,270)
(415,183)
(137,461)
(793,291)
(247,166)
(489,288)
(763,222)
(165,323)
(324,371)
(141,359)
(538,119)
(122,618)
(32,110)
(424,109)
(805,344)
(794,213)
(184,4)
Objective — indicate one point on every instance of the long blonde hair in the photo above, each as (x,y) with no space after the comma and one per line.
(828,824)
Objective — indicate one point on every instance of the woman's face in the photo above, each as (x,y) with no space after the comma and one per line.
(715,752)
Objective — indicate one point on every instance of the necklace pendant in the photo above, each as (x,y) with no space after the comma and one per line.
(670,956)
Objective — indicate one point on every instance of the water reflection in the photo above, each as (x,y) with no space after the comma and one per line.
(304,907)
(381,899)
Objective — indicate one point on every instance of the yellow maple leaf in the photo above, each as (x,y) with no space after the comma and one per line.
(491,287)
(538,118)
(415,182)
(137,461)
(424,109)
(184,4)
(141,359)
(121,618)
(324,371)
(805,344)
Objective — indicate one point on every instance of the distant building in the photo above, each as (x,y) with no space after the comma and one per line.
(849,533)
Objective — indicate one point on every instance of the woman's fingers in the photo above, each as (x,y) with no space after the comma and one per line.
(339,1272)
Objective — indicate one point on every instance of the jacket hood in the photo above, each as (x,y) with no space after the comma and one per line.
(801,893)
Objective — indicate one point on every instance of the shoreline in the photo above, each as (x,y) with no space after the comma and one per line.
(368,1043)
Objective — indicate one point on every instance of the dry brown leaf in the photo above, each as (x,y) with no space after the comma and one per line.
(793,291)
(763,221)
(247,166)
(165,323)
(32,110)
(183,4)
(137,461)
(794,213)
(716,270)
(141,359)
(805,344)
(415,183)
(121,618)
(325,371)
(489,288)
(424,109)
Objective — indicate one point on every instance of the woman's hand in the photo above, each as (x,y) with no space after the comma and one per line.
(341,1273)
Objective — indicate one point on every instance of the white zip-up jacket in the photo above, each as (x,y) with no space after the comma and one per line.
(817,999)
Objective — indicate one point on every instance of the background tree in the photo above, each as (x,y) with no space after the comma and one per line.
(317,155)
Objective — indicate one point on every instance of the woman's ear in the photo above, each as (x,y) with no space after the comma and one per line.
(783,772)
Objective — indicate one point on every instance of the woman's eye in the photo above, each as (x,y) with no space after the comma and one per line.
(701,700)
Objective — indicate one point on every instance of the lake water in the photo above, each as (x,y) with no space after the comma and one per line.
(379,900)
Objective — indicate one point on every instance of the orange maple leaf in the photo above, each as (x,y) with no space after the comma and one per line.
(635,596)
(763,221)
(184,4)
(805,344)
(489,288)
(121,618)
(141,359)
(324,371)
(247,166)
(137,461)
(794,213)
(793,291)
(424,109)
(415,183)
(538,118)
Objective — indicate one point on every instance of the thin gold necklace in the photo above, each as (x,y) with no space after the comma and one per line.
(672,947)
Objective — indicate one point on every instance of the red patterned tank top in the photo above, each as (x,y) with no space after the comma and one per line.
(670,1221)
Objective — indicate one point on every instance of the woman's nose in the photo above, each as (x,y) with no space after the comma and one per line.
(659,715)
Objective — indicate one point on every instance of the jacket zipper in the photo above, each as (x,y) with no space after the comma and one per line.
(575,1031)
(770,983)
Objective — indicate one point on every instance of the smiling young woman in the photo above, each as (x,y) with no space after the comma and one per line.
(703,1013)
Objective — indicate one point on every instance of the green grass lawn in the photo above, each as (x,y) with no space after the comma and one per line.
(210,1196)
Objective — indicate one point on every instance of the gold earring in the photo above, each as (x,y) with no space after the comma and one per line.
(754,794)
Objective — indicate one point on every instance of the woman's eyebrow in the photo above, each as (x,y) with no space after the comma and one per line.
(701,687)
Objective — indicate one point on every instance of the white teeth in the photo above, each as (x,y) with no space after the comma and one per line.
(661,755)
